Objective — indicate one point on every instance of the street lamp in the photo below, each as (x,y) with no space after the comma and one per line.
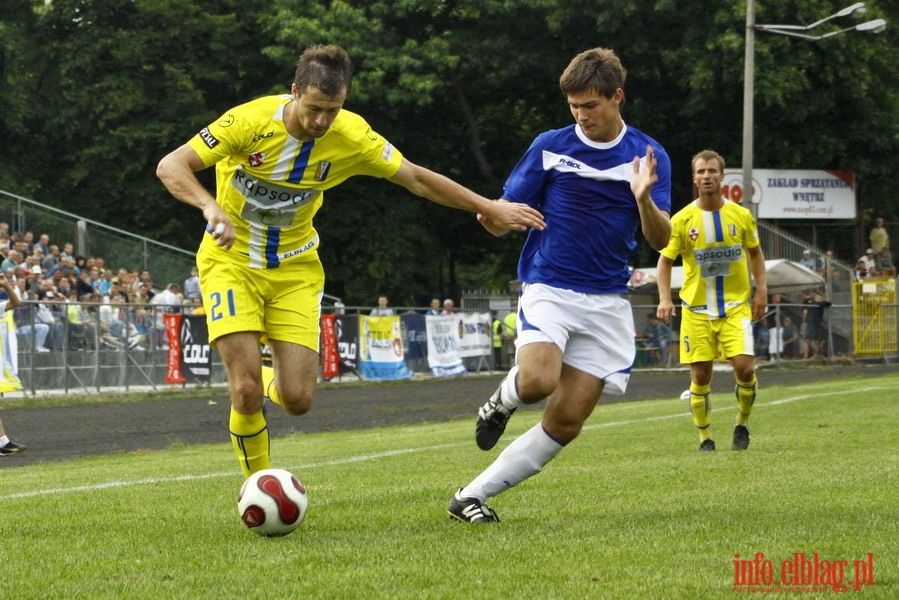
(855,10)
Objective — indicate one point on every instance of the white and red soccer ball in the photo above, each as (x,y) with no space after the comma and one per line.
(272,502)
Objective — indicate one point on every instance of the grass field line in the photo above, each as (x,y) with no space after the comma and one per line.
(386,454)
(175,479)
(722,408)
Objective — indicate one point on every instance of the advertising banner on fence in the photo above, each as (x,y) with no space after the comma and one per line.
(795,194)
(415,336)
(329,354)
(475,335)
(443,345)
(190,356)
(173,358)
(196,353)
(347,330)
(381,348)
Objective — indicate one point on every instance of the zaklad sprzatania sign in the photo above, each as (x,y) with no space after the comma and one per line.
(795,194)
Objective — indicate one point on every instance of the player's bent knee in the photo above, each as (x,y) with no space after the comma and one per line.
(744,372)
(563,433)
(246,396)
(298,404)
(534,387)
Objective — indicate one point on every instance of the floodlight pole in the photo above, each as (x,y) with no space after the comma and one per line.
(749,109)
(857,9)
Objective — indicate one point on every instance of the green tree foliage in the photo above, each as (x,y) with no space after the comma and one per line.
(103,88)
(94,92)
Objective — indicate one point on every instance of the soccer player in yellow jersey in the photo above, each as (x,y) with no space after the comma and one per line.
(714,237)
(260,274)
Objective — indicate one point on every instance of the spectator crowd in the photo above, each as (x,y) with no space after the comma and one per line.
(77,301)
(85,302)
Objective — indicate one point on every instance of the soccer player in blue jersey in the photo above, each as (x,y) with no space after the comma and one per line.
(260,274)
(713,236)
(595,182)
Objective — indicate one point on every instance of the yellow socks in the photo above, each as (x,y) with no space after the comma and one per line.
(745,393)
(249,433)
(249,436)
(700,406)
(269,389)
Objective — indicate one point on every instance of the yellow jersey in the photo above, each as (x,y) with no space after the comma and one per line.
(712,245)
(271,185)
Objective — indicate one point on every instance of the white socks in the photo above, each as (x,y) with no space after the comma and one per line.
(523,458)
(509,395)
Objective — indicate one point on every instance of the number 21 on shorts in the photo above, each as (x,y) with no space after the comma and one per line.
(217,310)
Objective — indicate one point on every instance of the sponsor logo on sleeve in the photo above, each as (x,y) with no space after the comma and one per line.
(208,139)
(387,152)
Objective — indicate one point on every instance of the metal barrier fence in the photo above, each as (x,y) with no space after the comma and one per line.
(837,343)
(874,317)
(84,353)
(119,248)
(88,357)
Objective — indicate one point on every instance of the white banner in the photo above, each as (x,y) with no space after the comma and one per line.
(795,194)
(443,345)
(475,335)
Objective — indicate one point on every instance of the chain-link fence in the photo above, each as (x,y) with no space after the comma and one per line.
(88,357)
(86,347)
(118,248)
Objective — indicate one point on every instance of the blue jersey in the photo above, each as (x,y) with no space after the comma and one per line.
(583,190)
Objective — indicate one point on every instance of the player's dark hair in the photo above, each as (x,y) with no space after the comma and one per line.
(596,70)
(707,155)
(327,67)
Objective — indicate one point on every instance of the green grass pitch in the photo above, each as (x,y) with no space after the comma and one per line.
(629,510)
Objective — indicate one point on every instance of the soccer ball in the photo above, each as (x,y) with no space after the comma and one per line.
(272,502)
(685,395)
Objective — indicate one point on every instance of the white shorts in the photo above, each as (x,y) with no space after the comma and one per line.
(594,331)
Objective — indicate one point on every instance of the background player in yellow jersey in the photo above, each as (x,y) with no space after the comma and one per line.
(260,274)
(7,446)
(713,236)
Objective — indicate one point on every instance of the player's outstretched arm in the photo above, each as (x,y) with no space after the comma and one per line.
(655,223)
(488,223)
(443,190)
(760,275)
(176,171)
(666,308)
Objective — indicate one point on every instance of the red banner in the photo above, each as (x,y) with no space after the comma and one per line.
(329,355)
(173,333)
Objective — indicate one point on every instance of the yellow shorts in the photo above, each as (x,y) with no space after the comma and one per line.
(281,304)
(704,340)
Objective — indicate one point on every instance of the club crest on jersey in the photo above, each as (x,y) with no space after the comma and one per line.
(694,233)
(256,159)
(733,229)
(321,173)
